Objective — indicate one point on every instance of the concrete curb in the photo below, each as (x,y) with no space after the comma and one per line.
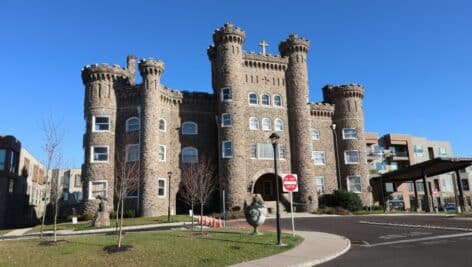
(332,257)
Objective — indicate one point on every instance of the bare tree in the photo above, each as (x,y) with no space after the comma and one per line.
(53,138)
(126,180)
(57,183)
(198,183)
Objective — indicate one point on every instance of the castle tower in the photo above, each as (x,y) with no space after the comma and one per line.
(349,120)
(151,71)
(101,83)
(226,57)
(296,50)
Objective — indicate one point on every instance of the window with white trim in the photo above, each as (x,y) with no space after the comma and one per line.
(278,125)
(162,125)
(351,157)
(442,151)
(265,151)
(226,94)
(189,155)
(99,154)
(320,184)
(189,128)
(161,190)
(132,152)
(132,124)
(277,101)
(418,149)
(266,124)
(98,188)
(318,157)
(349,133)
(162,153)
(101,123)
(227,149)
(253,100)
(253,123)
(226,120)
(354,183)
(315,134)
(265,100)
(253,151)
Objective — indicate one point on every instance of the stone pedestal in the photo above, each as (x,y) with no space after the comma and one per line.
(101,219)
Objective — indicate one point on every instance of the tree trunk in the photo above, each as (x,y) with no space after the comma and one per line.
(192,215)
(201,214)
(55,217)
(120,234)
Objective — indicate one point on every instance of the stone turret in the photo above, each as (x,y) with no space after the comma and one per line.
(348,100)
(101,83)
(151,71)
(296,50)
(226,56)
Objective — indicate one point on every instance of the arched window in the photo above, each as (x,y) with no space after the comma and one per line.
(189,128)
(189,155)
(253,100)
(277,101)
(278,124)
(162,125)
(265,100)
(253,123)
(266,124)
(132,124)
(315,134)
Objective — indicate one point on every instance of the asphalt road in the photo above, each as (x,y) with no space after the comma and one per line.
(413,242)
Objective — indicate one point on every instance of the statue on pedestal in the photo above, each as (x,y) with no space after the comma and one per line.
(256,213)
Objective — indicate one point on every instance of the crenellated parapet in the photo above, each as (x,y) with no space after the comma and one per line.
(294,44)
(103,72)
(151,67)
(322,110)
(348,90)
(265,61)
(229,33)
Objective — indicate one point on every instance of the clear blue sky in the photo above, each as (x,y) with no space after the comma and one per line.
(413,57)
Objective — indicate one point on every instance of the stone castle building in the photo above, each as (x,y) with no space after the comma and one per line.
(254,95)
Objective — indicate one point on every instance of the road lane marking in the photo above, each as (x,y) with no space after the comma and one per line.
(402,235)
(418,239)
(418,226)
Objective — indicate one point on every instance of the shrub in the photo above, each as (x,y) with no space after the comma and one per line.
(113,214)
(86,216)
(332,211)
(129,214)
(347,200)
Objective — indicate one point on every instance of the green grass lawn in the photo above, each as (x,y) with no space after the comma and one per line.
(156,248)
(2,232)
(87,225)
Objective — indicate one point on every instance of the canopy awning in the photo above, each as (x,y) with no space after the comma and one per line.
(430,168)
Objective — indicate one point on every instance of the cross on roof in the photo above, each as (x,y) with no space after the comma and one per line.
(263,44)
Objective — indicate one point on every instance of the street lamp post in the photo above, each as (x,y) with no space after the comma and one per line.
(338,172)
(168,204)
(275,139)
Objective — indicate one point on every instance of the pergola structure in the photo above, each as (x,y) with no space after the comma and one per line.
(423,170)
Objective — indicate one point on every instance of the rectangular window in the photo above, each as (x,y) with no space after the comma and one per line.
(3,157)
(13,158)
(98,188)
(389,188)
(253,149)
(465,184)
(226,94)
(265,151)
(351,157)
(101,123)
(162,187)
(354,183)
(420,186)
(447,184)
(442,151)
(132,152)
(349,133)
(78,180)
(318,157)
(418,149)
(227,149)
(65,196)
(226,120)
(162,153)
(281,151)
(99,153)
(411,187)
(320,184)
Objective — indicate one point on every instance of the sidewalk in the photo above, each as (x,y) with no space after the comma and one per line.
(316,248)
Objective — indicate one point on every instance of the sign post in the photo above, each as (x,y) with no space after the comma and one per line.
(290,184)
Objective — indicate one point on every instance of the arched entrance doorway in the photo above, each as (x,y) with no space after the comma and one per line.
(266,187)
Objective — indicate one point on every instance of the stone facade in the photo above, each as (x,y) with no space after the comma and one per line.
(254,95)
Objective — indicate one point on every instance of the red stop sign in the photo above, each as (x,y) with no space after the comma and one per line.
(290,183)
